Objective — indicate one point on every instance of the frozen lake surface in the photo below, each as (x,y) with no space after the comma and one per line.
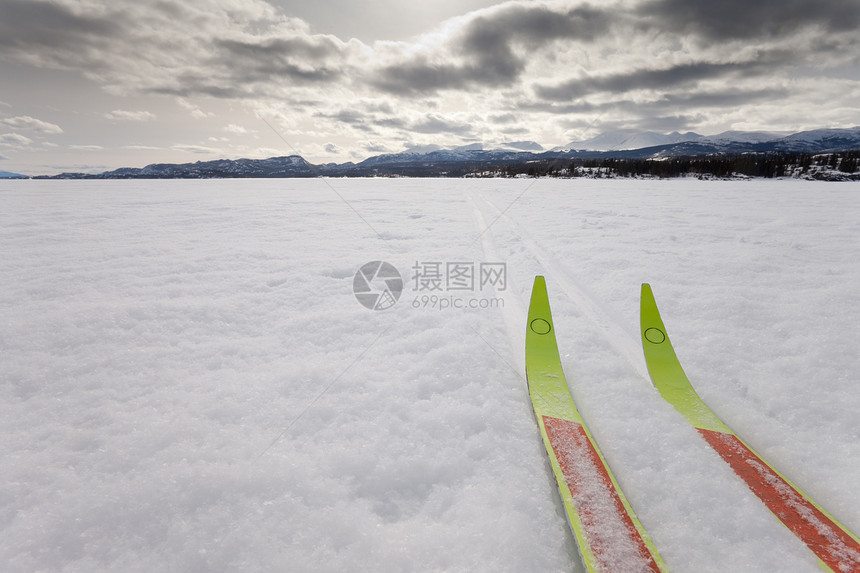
(187,382)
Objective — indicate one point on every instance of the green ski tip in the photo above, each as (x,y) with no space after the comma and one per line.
(608,534)
(666,371)
(837,548)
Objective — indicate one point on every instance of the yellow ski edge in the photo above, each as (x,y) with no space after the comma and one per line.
(550,396)
(669,378)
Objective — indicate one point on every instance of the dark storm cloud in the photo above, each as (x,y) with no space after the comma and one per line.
(295,57)
(256,67)
(349,116)
(210,48)
(420,77)
(188,84)
(503,118)
(497,48)
(663,105)
(374,147)
(433,124)
(391,122)
(280,72)
(354,118)
(661,124)
(485,51)
(680,111)
(717,99)
(656,79)
(370,122)
(317,48)
(717,20)
(534,26)
(533,105)
(31,27)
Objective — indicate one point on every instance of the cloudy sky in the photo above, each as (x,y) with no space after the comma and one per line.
(90,85)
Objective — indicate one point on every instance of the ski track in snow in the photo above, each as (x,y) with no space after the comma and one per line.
(515,316)
(514,310)
(603,327)
(187,382)
(592,309)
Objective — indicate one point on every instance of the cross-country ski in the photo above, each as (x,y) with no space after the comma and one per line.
(608,534)
(836,546)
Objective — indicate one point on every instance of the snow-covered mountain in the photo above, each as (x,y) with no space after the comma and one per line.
(690,143)
(728,137)
(633,144)
(826,139)
(814,141)
(289,166)
(520,146)
(10,175)
(626,139)
(434,160)
(474,152)
(459,153)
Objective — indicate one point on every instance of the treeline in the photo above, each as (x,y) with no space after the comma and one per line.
(767,165)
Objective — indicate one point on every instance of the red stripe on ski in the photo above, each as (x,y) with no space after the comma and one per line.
(613,538)
(828,541)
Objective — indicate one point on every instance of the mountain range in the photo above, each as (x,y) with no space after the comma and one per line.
(432,160)
(630,139)
(10,175)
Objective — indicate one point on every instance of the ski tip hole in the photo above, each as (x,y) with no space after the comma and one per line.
(540,326)
(654,335)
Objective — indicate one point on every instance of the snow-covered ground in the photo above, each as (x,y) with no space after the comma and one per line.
(187,382)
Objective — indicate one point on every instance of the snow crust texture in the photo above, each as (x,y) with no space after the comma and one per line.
(187,382)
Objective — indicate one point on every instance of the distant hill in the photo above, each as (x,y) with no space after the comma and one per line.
(288,166)
(434,161)
(10,175)
(628,139)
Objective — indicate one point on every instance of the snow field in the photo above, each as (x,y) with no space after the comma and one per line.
(188,383)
